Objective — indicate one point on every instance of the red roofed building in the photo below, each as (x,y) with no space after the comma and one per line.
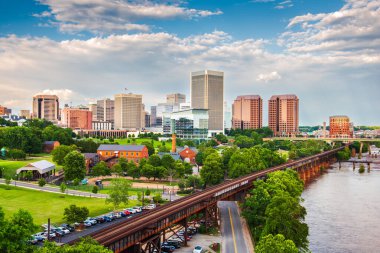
(187,154)
(130,152)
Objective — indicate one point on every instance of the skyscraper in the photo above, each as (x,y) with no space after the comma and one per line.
(283,115)
(207,92)
(46,107)
(153,116)
(340,127)
(176,98)
(247,112)
(227,116)
(128,111)
(76,118)
(105,110)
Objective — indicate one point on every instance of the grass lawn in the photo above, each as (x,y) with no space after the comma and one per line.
(138,141)
(43,205)
(11,166)
(105,190)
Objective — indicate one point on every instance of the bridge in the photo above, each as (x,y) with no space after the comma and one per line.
(346,140)
(144,233)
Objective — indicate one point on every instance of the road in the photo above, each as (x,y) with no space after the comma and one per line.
(233,240)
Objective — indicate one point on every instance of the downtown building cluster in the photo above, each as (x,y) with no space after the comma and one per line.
(204,115)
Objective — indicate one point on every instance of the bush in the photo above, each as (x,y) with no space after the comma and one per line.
(147,192)
(41,182)
(16,154)
(95,189)
(185,191)
(158,198)
(361,169)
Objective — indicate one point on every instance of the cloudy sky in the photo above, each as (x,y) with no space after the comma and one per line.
(325,51)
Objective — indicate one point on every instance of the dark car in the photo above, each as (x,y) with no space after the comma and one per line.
(100,219)
(167,248)
(68,227)
(175,244)
(107,218)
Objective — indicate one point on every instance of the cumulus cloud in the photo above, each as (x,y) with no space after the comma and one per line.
(105,16)
(155,64)
(268,77)
(355,27)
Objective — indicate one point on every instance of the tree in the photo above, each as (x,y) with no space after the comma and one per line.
(179,169)
(243,141)
(160,172)
(124,164)
(285,216)
(194,181)
(100,169)
(133,170)
(63,187)
(154,160)
(59,153)
(15,233)
(86,244)
(116,168)
(149,146)
(118,193)
(74,166)
(275,244)
(212,170)
(74,214)
(221,138)
(95,189)
(148,171)
(42,182)
(16,154)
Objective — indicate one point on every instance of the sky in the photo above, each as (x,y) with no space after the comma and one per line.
(327,52)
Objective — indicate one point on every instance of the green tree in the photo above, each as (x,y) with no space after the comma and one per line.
(74,214)
(212,170)
(74,166)
(63,187)
(42,182)
(95,189)
(160,172)
(116,168)
(59,153)
(118,192)
(154,160)
(100,169)
(221,138)
(86,244)
(133,170)
(245,142)
(149,146)
(275,244)
(15,233)
(148,171)
(124,164)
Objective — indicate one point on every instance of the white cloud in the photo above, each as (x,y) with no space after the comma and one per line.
(154,64)
(355,27)
(268,77)
(106,16)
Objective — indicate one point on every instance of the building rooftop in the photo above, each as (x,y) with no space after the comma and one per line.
(207,72)
(248,97)
(286,96)
(115,147)
(42,166)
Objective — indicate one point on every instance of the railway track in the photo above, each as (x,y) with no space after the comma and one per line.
(110,234)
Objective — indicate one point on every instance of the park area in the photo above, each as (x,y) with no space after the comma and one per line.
(43,205)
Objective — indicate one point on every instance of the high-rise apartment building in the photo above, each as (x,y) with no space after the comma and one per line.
(283,115)
(176,98)
(153,116)
(105,110)
(46,107)
(340,127)
(5,111)
(24,114)
(75,118)
(247,112)
(94,109)
(207,92)
(128,111)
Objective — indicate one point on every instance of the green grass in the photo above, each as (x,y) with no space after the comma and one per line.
(11,166)
(138,141)
(44,205)
(105,190)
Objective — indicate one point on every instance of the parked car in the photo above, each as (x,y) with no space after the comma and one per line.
(175,244)
(45,226)
(52,234)
(167,248)
(87,224)
(198,249)
(131,210)
(100,219)
(91,220)
(122,214)
(58,232)
(107,218)
(149,207)
(40,236)
(137,208)
(64,230)
(67,226)
(33,240)
(117,215)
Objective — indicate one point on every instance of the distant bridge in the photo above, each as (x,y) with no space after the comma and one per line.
(322,139)
(144,233)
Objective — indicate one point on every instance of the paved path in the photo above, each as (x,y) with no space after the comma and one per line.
(233,240)
(47,188)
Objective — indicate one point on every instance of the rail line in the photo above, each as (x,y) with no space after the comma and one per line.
(110,234)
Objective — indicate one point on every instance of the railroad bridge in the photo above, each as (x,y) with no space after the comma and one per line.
(144,233)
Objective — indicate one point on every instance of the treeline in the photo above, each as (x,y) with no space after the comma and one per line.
(275,215)
(16,232)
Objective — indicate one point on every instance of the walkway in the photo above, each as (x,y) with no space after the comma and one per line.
(233,236)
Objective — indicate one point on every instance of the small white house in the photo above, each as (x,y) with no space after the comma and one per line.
(39,169)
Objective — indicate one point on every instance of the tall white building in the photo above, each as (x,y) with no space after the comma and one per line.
(128,111)
(207,92)
(46,107)
(227,116)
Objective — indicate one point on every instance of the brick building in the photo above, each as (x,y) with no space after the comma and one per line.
(340,127)
(247,112)
(130,152)
(77,118)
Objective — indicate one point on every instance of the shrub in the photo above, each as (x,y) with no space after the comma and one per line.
(16,154)
(147,192)
(361,169)
(41,182)
(95,189)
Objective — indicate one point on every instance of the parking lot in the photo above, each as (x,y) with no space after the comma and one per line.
(202,240)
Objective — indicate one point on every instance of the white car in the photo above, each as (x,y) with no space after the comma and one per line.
(65,230)
(92,221)
(137,208)
(198,249)
(131,210)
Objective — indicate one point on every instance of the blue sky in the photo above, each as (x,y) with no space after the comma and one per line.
(325,51)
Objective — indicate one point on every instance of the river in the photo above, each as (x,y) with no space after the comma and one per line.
(343,211)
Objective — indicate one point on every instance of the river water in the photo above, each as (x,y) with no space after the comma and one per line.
(343,211)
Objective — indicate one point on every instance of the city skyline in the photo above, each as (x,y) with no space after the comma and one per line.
(318,51)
